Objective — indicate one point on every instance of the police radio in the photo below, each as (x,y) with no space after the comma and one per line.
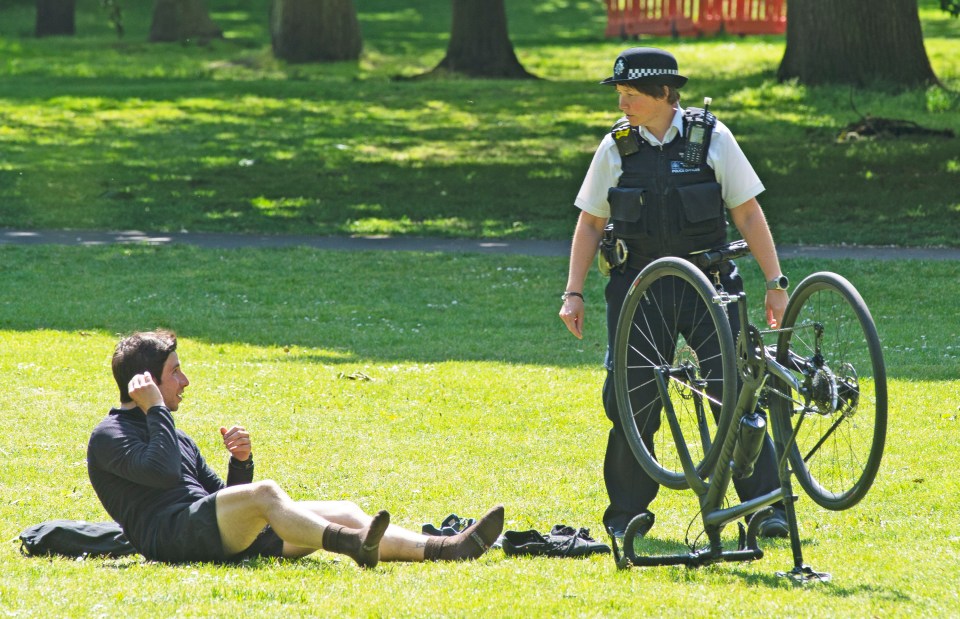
(698,127)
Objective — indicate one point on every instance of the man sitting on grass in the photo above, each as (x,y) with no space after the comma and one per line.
(152,480)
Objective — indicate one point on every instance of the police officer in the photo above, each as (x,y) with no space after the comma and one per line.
(635,182)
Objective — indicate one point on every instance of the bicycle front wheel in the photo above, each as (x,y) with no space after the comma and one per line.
(830,345)
(674,328)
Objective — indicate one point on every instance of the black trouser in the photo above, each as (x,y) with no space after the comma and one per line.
(629,487)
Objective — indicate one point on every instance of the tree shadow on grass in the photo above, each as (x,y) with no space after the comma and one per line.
(344,306)
(349,307)
(776,581)
(470,158)
(772,579)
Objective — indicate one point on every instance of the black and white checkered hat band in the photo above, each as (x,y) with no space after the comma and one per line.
(646,64)
(634,74)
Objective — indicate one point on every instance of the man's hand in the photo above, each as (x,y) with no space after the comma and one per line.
(572,314)
(237,442)
(776,303)
(144,392)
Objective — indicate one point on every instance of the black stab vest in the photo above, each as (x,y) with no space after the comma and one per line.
(661,207)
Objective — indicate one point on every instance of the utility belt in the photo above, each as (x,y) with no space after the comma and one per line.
(615,255)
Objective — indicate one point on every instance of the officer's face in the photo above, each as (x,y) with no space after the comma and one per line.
(641,109)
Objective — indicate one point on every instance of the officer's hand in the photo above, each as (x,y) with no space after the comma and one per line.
(144,392)
(572,315)
(237,441)
(776,302)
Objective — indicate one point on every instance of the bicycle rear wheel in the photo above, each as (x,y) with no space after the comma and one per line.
(830,345)
(672,323)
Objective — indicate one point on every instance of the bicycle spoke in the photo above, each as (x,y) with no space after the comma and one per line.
(668,304)
(700,392)
(830,347)
(822,440)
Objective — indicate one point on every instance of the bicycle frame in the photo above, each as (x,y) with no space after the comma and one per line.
(756,364)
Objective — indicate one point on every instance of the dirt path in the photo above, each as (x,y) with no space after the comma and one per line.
(505,246)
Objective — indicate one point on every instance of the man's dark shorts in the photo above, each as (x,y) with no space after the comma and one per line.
(191,534)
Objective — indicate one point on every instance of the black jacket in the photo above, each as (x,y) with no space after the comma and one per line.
(144,470)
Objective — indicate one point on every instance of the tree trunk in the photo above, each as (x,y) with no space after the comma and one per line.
(479,43)
(179,20)
(55,17)
(855,42)
(315,30)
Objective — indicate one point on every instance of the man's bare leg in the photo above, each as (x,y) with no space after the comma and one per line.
(398,544)
(243,511)
(297,523)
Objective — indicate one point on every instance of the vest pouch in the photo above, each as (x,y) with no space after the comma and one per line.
(627,211)
(703,213)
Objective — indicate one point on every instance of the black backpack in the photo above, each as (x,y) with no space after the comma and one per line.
(75,538)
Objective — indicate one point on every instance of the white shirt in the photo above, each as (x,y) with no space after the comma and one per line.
(736,176)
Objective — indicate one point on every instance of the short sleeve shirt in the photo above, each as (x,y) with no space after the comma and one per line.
(738,181)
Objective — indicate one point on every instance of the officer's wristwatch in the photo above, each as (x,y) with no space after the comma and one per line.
(778,283)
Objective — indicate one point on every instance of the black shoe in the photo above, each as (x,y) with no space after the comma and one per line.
(451,525)
(775,525)
(584,546)
(562,541)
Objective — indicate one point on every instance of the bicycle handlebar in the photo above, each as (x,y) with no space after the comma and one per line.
(712,257)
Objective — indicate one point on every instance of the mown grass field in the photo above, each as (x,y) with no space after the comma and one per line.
(98,132)
(478,396)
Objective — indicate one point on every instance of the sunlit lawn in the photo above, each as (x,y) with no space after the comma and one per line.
(97,132)
(477,396)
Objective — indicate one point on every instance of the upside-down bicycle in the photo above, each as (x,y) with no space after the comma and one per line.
(823,384)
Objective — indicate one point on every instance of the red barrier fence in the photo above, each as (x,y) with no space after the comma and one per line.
(678,18)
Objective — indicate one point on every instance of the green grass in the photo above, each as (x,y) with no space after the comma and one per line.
(97,132)
(479,396)
(478,393)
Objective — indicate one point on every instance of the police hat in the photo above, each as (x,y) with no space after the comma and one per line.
(646,64)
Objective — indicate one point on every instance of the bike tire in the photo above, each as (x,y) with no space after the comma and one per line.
(837,448)
(670,313)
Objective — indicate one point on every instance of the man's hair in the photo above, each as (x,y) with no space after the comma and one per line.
(657,91)
(145,351)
